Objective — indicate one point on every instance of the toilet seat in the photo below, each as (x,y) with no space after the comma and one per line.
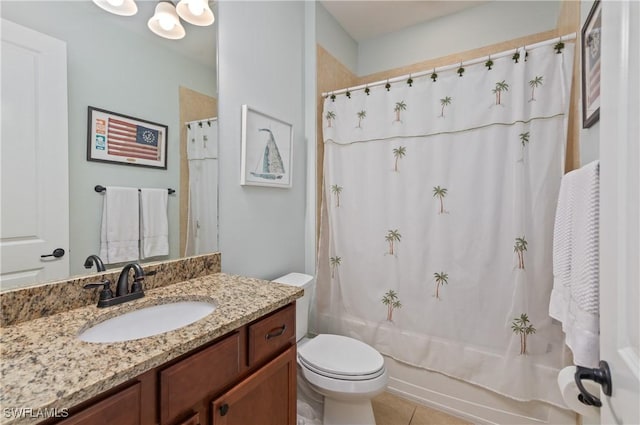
(340,357)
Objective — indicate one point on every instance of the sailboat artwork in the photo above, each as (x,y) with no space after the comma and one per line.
(267,150)
(271,161)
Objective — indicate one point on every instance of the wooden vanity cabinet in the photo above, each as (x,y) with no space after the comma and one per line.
(251,370)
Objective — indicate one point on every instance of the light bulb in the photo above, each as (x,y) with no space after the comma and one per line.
(166,23)
(115,3)
(196,7)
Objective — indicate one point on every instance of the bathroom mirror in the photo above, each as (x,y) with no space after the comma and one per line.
(116,63)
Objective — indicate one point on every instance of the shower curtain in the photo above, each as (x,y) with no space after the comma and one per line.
(202,154)
(438,210)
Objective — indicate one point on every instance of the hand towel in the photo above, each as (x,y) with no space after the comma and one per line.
(575,296)
(154,224)
(120,230)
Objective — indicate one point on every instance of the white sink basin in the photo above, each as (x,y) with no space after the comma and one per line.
(148,321)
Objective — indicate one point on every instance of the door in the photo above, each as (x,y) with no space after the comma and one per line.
(33,150)
(268,397)
(620,210)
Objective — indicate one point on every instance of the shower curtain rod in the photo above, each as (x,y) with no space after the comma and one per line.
(199,122)
(567,37)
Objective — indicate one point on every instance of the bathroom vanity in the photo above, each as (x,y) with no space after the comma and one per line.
(235,366)
(245,377)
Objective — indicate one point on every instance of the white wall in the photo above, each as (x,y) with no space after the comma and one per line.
(331,36)
(114,69)
(479,26)
(589,137)
(261,64)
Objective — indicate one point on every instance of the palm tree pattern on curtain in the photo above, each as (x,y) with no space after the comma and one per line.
(392,237)
(398,153)
(521,326)
(400,106)
(440,193)
(335,263)
(441,278)
(519,248)
(501,86)
(336,190)
(536,82)
(390,299)
(330,116)
(524,141)
(361,115)
(492,207)
(445,101)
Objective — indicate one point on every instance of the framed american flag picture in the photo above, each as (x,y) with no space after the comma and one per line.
(591,49)
(126,140)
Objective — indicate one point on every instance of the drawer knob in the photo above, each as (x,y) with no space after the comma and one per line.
(224,409)
(275,332)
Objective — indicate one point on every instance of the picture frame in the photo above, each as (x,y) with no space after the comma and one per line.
(267,150)
(125,140)
(591,54)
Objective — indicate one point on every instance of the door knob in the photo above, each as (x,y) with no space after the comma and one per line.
(57,253)
(601,375)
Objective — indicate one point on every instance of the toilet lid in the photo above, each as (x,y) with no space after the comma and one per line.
(341,355)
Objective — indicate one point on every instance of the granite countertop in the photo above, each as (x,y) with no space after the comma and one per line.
(45,366)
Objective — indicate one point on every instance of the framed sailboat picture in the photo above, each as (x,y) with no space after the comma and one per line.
(267,150)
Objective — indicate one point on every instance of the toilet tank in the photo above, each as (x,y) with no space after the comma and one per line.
(303,304)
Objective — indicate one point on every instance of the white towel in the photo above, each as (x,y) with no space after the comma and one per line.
(154,224)
(575,295)
(120,230)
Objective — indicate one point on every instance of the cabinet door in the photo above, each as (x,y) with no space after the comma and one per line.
(198,377)
(268,397)
(122,408)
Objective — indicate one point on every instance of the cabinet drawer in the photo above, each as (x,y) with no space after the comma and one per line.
(192,420)
(269,335)
(197,377)
(122,408)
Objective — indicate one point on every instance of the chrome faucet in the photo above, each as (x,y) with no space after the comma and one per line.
(88,263)
(123,294)
(122,288)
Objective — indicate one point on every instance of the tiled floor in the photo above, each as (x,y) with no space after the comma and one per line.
(392,410)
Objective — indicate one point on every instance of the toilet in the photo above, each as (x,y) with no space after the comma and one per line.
(347,372)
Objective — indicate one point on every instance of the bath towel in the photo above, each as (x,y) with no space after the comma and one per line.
(120,230)
(154,224)
(575,295)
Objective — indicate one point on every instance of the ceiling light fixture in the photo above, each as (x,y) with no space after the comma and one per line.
(165,22)
(196,12)
(118,7)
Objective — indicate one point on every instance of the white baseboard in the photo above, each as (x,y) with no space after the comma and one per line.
(469,402)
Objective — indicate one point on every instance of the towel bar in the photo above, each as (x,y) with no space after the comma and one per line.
(98,188)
